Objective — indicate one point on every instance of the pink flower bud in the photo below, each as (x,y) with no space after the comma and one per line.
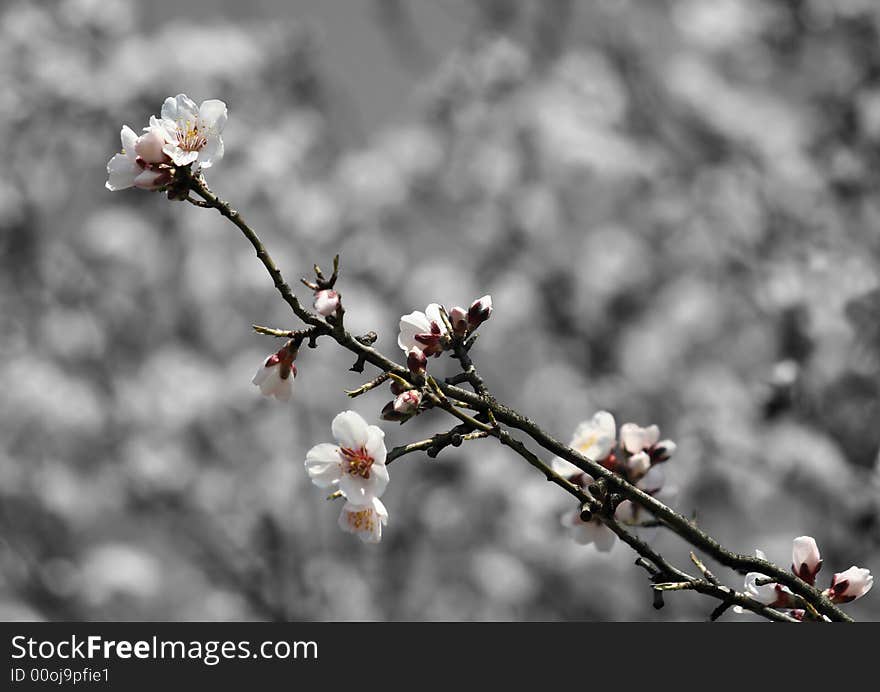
(479,311)
(274,376)
(459,319)
(326,302)
(407,402)
(416,361)
(388,413)
(149,147)
(805,559)
(849,585)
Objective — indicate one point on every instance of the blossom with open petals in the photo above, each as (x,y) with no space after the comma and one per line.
(356,463)
(594,438)
(591,532)
(365,521)
(423,331)
(192,133)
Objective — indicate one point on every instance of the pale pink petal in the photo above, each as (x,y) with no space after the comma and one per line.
(350,430)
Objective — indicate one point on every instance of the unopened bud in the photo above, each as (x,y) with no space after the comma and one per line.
(326,302)
(805,559)
(388,413)
(479,311)
(416,361)
(149,147)
(408,402)
(849,585)
(458,317)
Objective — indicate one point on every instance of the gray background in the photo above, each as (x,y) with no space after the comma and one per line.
(673,204)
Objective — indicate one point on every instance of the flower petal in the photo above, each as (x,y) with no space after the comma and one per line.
(179,107)
(121,173)
(129,138)
(212,115)
(375,445)
(211,153)
(350,430)
(604,539)
(323,464)
(361,490)
(432,312)
(410,325)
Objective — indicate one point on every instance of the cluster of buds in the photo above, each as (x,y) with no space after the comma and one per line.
(429,333)
(806,562)
(465,322)
(185,139)
(637,460)
(275,376)
(407,402)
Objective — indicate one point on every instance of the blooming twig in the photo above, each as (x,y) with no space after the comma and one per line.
(171,157)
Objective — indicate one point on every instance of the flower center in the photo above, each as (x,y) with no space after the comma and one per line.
(362,520)
(356,462)
(189,138)
(588,442)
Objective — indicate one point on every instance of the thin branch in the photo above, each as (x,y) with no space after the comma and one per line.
(481,401)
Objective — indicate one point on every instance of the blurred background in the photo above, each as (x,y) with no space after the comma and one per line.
(674,205)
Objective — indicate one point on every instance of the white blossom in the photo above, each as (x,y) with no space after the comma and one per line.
(422,331)
(594,438)
(635,439)
(365,521)
(192,133)
(356,463)
(589,532)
